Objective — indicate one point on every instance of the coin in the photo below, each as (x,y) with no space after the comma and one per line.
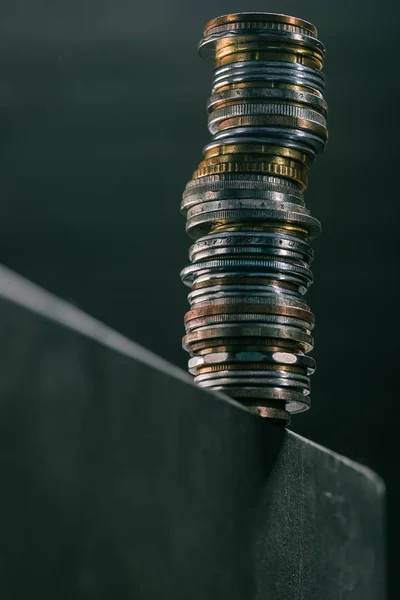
(248,329)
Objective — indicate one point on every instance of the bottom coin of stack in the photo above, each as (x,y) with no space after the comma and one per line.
(249,329)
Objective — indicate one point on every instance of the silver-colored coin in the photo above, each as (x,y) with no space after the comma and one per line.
(217,287)
(276,252)
(277,282)
(261,66)
(245,181)
(252,71)
(249,331)
(199,225)
(285,94)
(249,109)
(266,377)
(191,273)
(215,293)
(200,322)
(237,77)
(205,334)
(262,251)
(263,373)
(242,188)
(229,385)
(210,276)
(252,241)
(271,198)
(264,33)
(289,239)
(244,204)
(274,358)
(229,382)
(275,193)
(260,295)
(252,27)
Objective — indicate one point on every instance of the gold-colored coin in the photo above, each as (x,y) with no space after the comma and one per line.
(299,59)
(250,367)
(280,167)
(275,121)
(268,226)
(247,40)
(257,149)
(245,158)
(229,49)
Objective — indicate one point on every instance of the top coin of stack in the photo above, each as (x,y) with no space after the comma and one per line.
(249,328)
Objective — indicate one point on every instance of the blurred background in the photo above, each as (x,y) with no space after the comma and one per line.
(102,106)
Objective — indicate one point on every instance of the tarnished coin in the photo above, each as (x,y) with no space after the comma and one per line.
(248,331)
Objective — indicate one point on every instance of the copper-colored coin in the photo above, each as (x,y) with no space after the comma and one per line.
(276,414)
(271,309)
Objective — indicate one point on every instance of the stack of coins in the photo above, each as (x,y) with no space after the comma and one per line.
(248,330)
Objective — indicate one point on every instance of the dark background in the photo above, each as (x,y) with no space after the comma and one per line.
(102,107)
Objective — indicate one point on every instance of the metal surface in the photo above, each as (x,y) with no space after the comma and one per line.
(121,479)
(245,209)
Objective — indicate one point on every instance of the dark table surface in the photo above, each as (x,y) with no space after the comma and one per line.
(121,479)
